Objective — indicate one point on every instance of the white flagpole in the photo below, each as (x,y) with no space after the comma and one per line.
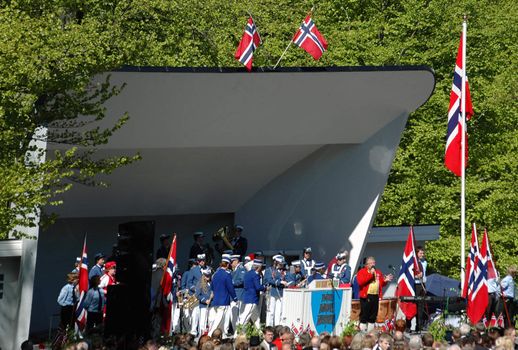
(463,160)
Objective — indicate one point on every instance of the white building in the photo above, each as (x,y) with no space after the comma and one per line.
(298,156)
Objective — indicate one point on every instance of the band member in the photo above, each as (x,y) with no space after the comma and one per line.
(94,304)
(238,279)
(239,243)
(224,297)
(108,278)
(204,295)
(199,248)
(165,246)
(67,299)
(307,264)
(295,278)
(318,272)
(507,285)
(184,286)
(340,271)
(420,286)
(76,265)
(253,287)
(97,269)
(371,281)
(275,281)
(195,276)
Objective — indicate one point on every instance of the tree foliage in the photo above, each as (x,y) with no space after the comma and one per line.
(45,55)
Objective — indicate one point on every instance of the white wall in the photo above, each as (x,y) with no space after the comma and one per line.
(9,268)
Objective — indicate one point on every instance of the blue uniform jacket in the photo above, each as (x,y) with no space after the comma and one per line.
(185,279)
(96,270)
(223,288)
(252,287)
(315,276)
(94,300)
(272,279)
(341,272)
(238,280)
(202,295)
(194,278)
(293,279)
(306,267)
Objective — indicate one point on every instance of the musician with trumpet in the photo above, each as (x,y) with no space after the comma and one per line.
(295,279)
(231,239)
(275,281)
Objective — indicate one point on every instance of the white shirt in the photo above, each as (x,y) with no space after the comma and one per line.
(508,286)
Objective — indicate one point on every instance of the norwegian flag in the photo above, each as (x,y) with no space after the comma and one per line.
(493,322)
(470,263)
(452,158)
(167,288)
(294,329)
(301,328)
(406,281)
(309,38)
(249,42)
(477,290)
(492,272)
(309,330)
(83,289)
(500,321)
(484,321)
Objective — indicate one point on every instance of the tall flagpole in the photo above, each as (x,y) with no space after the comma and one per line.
(463,159)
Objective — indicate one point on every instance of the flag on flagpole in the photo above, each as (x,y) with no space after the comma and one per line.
(492,272)
(452,158)
(82,289)
(477,292)
(309,38)
(249,42)
(166,284)
(406,280)
(470,263)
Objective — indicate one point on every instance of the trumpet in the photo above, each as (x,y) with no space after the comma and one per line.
(222,234)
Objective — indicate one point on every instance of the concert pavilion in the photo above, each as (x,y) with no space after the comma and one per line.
(299,157)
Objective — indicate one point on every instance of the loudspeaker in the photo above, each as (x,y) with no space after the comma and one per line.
(128,303)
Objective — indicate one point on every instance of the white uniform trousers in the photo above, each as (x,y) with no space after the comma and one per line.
(186,322)
(219,318)
(274,311)
(199,320)
(175,318)
(250,313)
(235,312)
(195,320)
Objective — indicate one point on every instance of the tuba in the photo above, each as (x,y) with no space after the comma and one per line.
(222,234)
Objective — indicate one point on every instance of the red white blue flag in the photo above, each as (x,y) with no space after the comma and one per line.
(249,42)
(309,38)
(406,280)
(477,289)
(470,263)
(167,288)
(492,272)
(83,289)
(452,158)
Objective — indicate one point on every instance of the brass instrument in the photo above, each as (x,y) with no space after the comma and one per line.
(223,234)
(191,302)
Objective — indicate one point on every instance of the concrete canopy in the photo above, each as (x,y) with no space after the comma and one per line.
(210,140)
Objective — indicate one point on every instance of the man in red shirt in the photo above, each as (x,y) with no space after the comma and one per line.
(371,282)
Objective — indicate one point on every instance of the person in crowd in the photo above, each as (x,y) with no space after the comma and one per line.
(238,280)
(203,293)
(77,264)
(507,285)
(108,278)
(275,281)
(371,281)
(165,246)
(340,271)
(307,264)
(318,272)
(200,248)
(67,299)
(420,287)
(295,279)
(384,342)
(224,298)
(97,269)
(239,242)
(268,334)
(94,304)
(253,287)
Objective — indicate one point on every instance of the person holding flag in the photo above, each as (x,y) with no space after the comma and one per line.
(67,299)
(167,286)
(508,285)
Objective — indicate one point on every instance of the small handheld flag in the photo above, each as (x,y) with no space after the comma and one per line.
(309,38)
(167,288)
(249,42)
